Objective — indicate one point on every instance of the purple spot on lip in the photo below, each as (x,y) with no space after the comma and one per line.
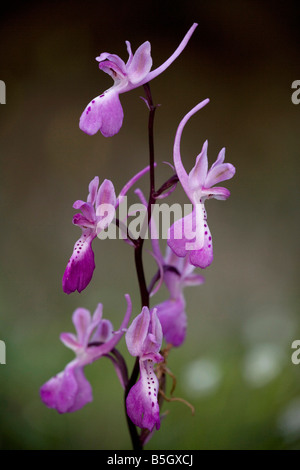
(101,96)
(93,101)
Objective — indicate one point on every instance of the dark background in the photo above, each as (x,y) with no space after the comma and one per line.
(235,366)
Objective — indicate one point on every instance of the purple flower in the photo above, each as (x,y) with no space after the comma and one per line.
(177,274)
(143,339)
(80,268)
(191,235)
(105,112)
(96,214)
(69,390)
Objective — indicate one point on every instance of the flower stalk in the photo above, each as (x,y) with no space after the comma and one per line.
(138,256)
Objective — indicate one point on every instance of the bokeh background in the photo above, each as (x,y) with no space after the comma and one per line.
(235,366)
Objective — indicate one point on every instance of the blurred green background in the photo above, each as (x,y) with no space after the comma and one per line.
(235,366)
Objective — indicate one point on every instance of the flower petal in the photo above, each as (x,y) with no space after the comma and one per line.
(106,194)
(59,392)
(105,205)
(103,333)
(84,392)
(112,115)
(128,45)
(203,257)
(217,192)
(86,208)
(183,233)
(80,268)
(95,323)
(71,341)
(220,158)
(219,173)
(103,113)
(137,333)
(114,70)
(68,391)
(81,320)
(91,118)
(156,328)
(83,222)
(199,172)
(97,315)
(176,240)
(194,280)
(141,403)
(191,236)
(152,343)
(113,61)
(172,316)
(141,63)
(93,188)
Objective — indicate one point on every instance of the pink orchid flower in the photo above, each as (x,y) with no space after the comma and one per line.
(69,390)
(190,236)
(97,213)
(105,112)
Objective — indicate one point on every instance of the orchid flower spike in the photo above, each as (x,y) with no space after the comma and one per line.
(69,390)
(190,236)
(143,339)
(105,112)
(96,214)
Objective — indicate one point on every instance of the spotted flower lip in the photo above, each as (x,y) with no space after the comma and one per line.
(69,390)
(144,339)
(105,112)
(92,219)
(190,236)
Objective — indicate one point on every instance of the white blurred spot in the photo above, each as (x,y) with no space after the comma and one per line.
(201,377)
(262,364)
(270,325)
(289,420)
